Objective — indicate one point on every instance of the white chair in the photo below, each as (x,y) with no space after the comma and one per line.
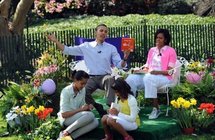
(176,72)
(78,65)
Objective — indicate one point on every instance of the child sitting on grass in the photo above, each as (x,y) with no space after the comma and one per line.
(124,117)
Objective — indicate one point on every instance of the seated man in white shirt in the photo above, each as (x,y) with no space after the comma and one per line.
(98,56)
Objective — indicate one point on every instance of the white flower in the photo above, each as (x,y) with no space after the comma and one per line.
(118,73)
(11,116)
(15,108)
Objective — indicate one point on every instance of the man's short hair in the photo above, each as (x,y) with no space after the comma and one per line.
(102,24)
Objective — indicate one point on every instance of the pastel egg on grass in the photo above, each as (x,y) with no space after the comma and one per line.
(48,87)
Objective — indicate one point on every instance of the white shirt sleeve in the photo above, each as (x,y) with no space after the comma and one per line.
(74,50)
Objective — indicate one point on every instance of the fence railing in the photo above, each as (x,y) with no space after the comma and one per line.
(18,54)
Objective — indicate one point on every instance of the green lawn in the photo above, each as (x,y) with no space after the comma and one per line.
(79,22)
(195,137)
(3,130)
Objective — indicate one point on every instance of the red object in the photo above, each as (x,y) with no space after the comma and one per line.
(127,44)
(209,107)
(43,114)
(188,131)
(210,61)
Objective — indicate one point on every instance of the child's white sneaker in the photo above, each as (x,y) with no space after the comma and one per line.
(155,113)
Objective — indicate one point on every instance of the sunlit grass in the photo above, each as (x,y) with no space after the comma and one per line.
(2,125)
(83,22)
(3,130)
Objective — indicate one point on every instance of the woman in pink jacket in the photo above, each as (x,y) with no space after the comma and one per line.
(161,58)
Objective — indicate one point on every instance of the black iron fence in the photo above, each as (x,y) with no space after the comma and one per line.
(18,53)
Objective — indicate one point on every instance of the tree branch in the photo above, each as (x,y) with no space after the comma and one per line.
(4,30)
(4,8)
(20,16)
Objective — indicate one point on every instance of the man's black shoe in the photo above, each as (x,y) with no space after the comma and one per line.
(100,109)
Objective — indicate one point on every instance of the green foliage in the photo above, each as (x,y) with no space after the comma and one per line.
(140,98)
(31,95)
(206,88)
(18,95)
(203,91)
(14,95)
(203,119)
(79,22)
(25,119)
(49,130)
(194,137)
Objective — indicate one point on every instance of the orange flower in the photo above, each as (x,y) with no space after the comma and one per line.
(209,107)
(42,115)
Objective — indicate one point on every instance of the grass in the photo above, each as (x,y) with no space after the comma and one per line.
(195,137)
(83,22)
(3,130)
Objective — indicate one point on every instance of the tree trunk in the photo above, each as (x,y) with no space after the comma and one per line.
(20,16)
(205,8)
(4,8)
(4,30)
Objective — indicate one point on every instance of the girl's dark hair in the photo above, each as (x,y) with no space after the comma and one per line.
(166,35)
(122,87)
(79,75)
(100,25)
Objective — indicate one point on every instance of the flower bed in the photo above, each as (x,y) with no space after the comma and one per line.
(29,108)
(183,111)
(199,84)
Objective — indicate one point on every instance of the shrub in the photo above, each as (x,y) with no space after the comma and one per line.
(48,130)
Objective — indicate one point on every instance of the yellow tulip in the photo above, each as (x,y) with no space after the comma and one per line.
(41,108)
(23,107)
(36,111)
(186,104)
(30,109)
(193,101)
(175,104)
(172,102)
(181,100)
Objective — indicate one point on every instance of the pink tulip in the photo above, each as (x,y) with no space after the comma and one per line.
(193,77)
